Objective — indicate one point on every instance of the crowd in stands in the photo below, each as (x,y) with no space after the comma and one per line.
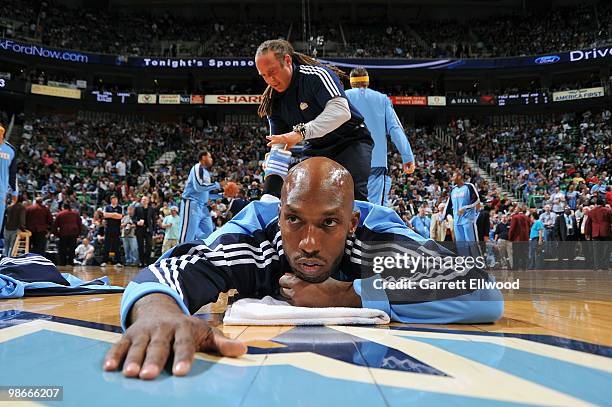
(79,165)
(572,153)
(120,33)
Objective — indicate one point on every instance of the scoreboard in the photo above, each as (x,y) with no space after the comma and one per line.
(523,99)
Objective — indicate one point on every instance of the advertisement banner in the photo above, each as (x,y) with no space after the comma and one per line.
(55,91)
(232,99)
(36,50)
(436,100)
(147,98)
(470,100)
(81,84)
(169,99)
(182,63)
(197,99)
(185,99)
(9,46)
(409,100)
(576,94)
(61,84)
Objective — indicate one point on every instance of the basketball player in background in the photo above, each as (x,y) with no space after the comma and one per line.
(8,173)
(463,203)
(381,120)
(196,223)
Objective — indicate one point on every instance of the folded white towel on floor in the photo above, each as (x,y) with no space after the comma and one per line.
(269,311)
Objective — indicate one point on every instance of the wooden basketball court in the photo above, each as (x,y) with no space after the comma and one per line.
(552,347)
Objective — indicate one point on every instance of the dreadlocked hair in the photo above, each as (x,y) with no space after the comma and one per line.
(280,48)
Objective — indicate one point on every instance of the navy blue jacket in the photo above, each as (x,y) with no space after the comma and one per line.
(310,89)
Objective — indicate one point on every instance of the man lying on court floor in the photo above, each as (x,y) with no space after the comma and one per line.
(310,249)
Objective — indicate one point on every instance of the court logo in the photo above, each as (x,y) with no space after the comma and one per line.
(549,59)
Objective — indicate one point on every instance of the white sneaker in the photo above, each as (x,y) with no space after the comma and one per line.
(103,265)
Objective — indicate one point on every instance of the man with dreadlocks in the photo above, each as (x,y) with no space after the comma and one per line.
(305,101)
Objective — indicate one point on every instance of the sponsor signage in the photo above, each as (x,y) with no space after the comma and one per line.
(409,100)
(81,84)
(110,97)
(185,99)
(37,51)
(549,59)
(197,99)
(147,98)
(232,99)
(595,53)
(182,63)
(62,84)
(436,100)
(527,98)
(576,94)
(56,91)
(470,100)
(169,99)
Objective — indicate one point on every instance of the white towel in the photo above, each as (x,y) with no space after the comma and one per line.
(269,311)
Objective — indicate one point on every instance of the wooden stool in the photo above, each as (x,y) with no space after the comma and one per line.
(22,243)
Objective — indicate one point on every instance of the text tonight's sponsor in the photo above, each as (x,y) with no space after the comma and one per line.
(198,63)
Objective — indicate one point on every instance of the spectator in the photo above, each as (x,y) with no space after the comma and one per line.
(128,235)
(519,235)
(566,230)
(598,228)
(421,223)
(171,224)
(15,222)
(144,216)
(536,241)
(113,214)
(504,245)
(84,253)
(38,221)
(67,227)
(441,227)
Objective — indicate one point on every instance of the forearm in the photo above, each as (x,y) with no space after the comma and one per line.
(335,114)
(153,304)
(403,146)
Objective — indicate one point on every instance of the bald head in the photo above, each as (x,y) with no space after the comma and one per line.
(319,178)
(316,217)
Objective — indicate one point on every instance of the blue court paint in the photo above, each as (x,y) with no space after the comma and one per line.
(557,341)
(51,358)
(347,348)
(592,385)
